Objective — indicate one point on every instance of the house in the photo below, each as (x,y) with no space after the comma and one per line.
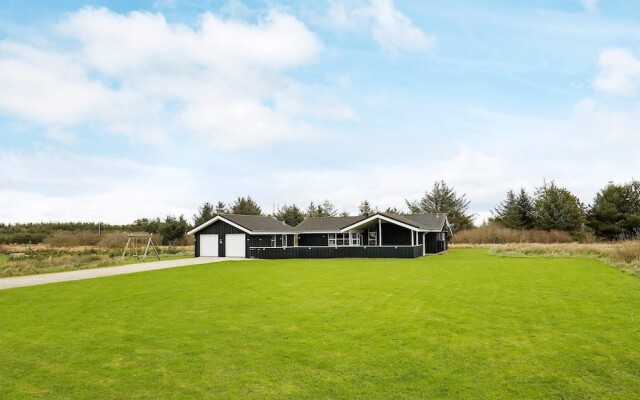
(232,235)
(381,235)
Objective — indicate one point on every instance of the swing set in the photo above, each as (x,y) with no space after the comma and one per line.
(137,240)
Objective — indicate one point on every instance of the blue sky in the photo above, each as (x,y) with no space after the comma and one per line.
(114,110)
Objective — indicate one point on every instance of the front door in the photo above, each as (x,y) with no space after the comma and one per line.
(373,238)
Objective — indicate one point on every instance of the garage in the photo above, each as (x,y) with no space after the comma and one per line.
(235,235)
(235,245)
(209,245)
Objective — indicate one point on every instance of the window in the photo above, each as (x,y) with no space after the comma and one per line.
(345,239)
(442,236)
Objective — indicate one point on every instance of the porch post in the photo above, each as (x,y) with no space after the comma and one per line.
(380,232)
(413,238)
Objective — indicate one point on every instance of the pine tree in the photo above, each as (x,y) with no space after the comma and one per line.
(204,214)
(366,209)
(246,206)
(221,208)
(290,215)
(324,209)
(557,208)
(514,212)
(615,211)
(507,213)
(525,209)
(392,210)
(443,199)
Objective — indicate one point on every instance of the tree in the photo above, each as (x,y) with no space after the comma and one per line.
(515,211)
(324,209)
(344,214)
(147,225)
(392,210)
(221,208)
(525,209)
(443,199)
(173,228)
(615,211)
(366,209)
(557,208)
(290,215)
(246,206)
(204,214)
(506,213)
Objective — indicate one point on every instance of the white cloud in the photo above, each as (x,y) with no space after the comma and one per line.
(46,186)
(225,81)
(390,28)
(604,125)
(590,5)
(619,72)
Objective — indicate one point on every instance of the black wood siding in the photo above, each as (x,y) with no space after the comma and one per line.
(394,235)
(337,252)
(313,239)
(435,246)
(221,228)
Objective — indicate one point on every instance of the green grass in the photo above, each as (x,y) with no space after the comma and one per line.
(463,325)
(3,259)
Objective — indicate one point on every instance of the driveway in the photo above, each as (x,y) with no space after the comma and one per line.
(32,280)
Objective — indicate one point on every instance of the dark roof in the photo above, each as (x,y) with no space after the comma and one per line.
(259,223)
(252,223)
(428,222)
(327,224)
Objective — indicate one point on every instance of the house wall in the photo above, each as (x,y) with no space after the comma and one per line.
(313,239)
(337,252)
(221,228)
(394,235)
(435,246)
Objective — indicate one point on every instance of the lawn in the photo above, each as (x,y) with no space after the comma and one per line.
(461,325)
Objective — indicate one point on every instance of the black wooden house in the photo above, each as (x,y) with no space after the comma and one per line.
(381,235)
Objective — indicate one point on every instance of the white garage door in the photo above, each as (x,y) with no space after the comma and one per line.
(209,245)
(235,245)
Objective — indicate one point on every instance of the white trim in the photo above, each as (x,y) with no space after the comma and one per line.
(242,228)
(316,232)
(382,217)
(214,219)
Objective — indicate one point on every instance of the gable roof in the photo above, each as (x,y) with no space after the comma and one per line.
(427,222)
(326,224)
(423,222)
(250,224)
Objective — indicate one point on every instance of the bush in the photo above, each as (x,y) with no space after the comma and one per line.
(626,252)
(495,233)
(116,240)
(69,239)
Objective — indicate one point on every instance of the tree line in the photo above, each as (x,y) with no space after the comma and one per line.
(614,213)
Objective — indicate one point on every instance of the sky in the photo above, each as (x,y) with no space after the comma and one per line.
(116,110)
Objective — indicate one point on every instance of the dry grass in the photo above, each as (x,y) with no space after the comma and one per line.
(44,258)
(624,255)
(498,234)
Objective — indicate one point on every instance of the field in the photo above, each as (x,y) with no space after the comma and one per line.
(461,325)
(44,258)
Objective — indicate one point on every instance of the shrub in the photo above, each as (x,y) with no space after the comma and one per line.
(70,239)
(495,233)
(626,252)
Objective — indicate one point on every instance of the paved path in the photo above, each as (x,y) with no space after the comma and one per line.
(32,280)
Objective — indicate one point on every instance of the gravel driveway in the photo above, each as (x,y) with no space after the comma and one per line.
(32,280)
